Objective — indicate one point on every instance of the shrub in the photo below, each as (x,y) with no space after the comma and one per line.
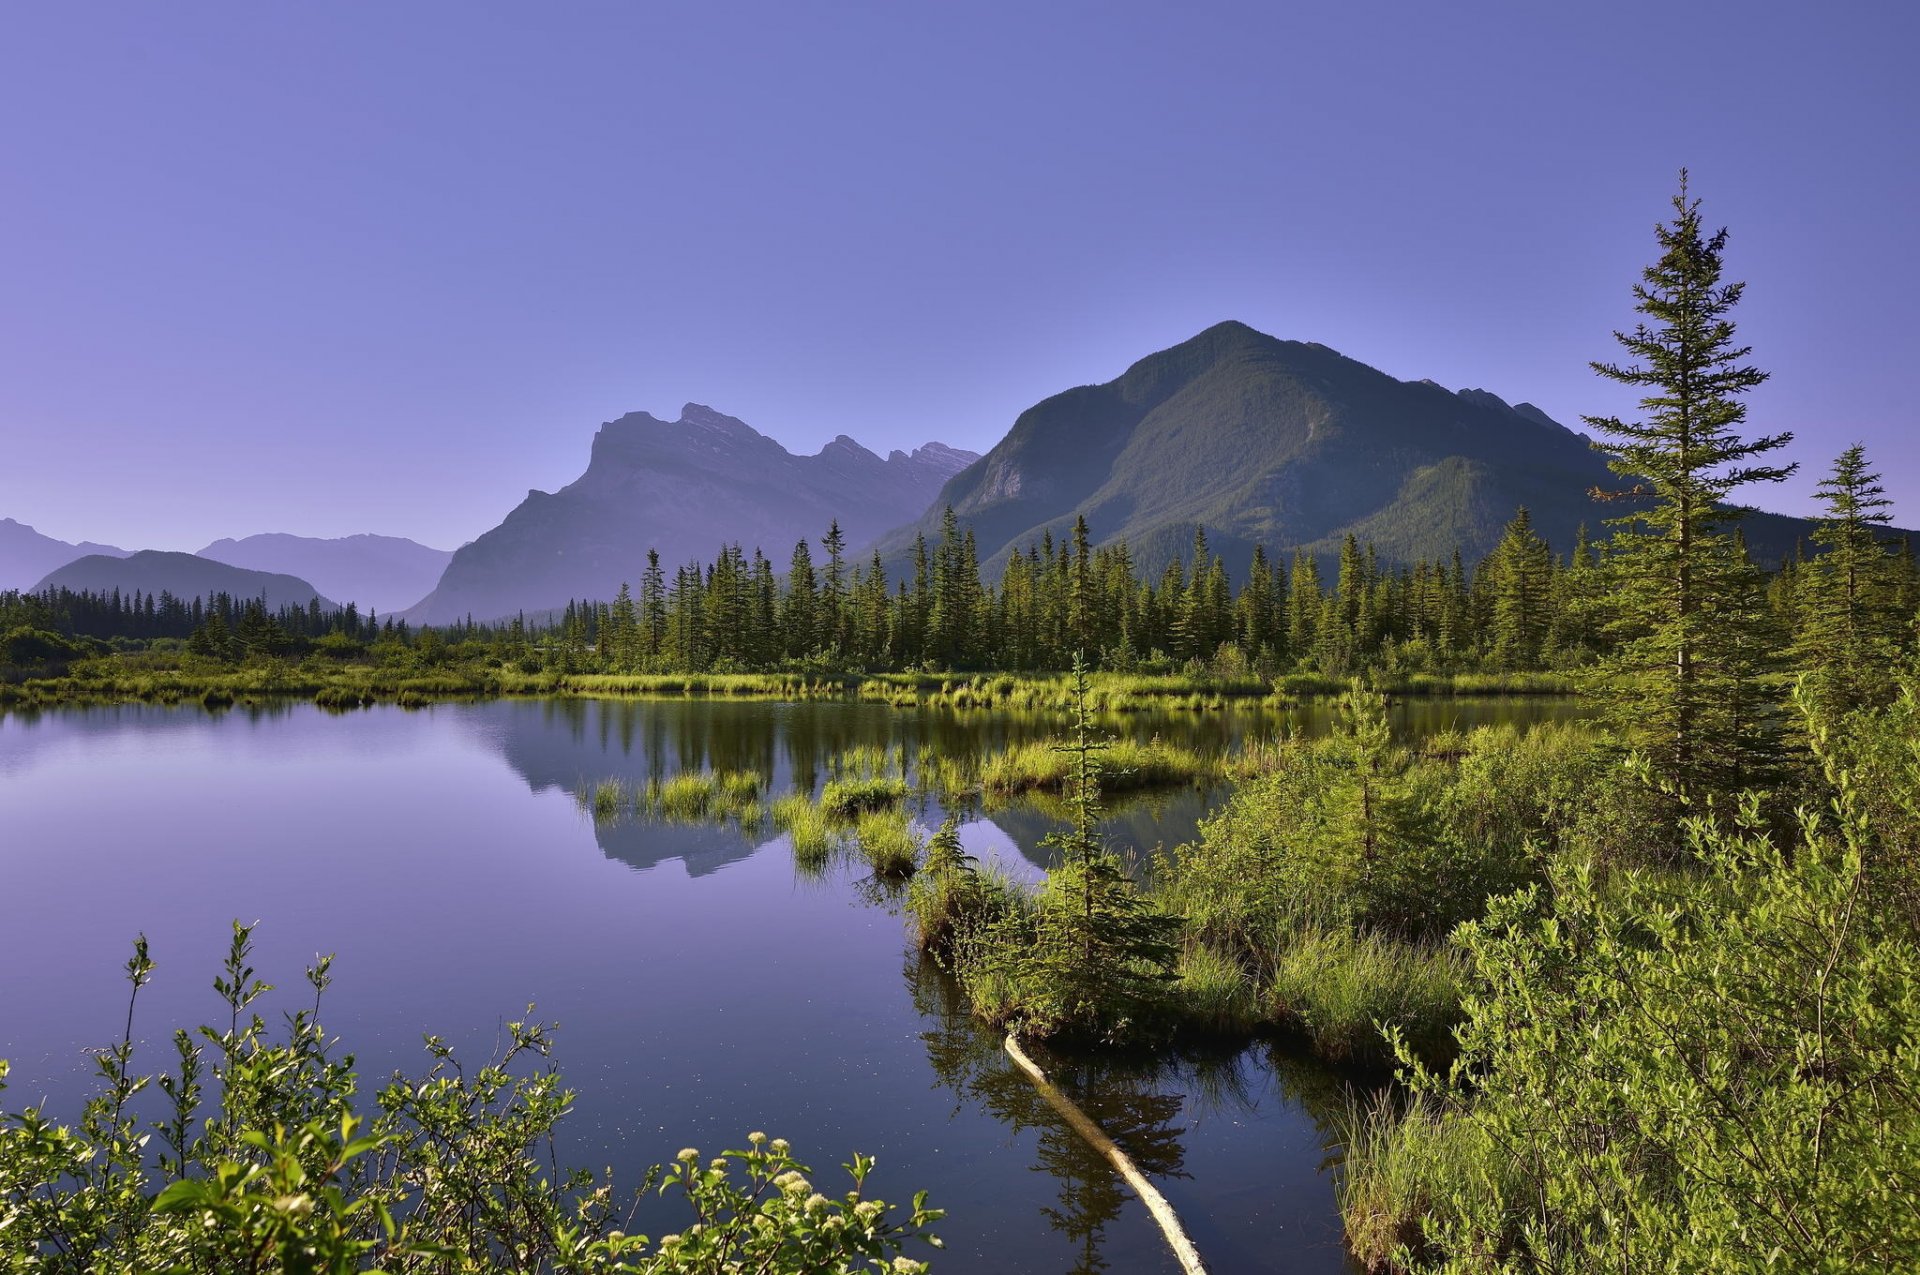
(286,1171)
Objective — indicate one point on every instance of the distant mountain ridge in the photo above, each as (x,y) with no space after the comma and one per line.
(1288,444)
(684,487)
(26,556)
(379,573)
(184,575)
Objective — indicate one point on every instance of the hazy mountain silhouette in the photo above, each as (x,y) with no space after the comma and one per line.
(26,556)
(184,575)
(1289,444)
(683,487)
(384,573)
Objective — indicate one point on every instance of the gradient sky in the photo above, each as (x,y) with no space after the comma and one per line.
(383,267)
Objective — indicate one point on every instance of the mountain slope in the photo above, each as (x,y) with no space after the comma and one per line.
(382,573)
(1288,444)
(183,575)
(26,556)
(683,487)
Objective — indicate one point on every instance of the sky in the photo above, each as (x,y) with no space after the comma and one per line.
(329,269)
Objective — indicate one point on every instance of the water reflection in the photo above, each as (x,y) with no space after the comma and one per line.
(566,745)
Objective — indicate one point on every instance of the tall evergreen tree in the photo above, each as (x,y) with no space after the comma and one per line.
(1691,646)
(1848,597)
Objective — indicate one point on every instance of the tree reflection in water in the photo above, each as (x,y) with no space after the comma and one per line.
(1126,1096)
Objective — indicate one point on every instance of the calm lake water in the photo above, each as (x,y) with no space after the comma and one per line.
(702,989)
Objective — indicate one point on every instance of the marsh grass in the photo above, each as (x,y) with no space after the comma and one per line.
(1125,765)
(887,840)
(1398,1157)
(1215,994)
(694,795)
(1339,988)
(813,834)
(851,797)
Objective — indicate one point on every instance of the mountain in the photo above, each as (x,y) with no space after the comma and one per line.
(26,555)
(683,487)
(181,574)
(1288,444)
(384,573)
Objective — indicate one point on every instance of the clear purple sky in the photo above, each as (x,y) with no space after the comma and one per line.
(383,267)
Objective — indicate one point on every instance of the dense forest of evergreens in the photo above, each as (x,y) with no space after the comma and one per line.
(1526,607)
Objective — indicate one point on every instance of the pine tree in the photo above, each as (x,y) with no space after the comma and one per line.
(1848,602)
(1691,643)
(833,592)
(1520,580)
(1103,955)
(799,620)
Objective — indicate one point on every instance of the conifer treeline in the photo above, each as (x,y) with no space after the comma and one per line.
(1523,608)
(141,616)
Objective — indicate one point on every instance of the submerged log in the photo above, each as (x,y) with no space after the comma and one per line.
(1096,1137)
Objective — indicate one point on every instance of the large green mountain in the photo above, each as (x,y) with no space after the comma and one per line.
(1287,444)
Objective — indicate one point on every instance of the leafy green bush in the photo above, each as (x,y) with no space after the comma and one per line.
(1710,1070)
(266,1161)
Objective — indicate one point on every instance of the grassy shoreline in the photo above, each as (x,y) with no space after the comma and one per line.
(111,681)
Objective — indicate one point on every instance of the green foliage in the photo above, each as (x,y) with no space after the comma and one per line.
(1354,831)
(1689,681)
(851,797)
(1710,1070)
(1345,991)
(1093,958)
(886,839)
(267,1161)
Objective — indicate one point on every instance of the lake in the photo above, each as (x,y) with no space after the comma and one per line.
(703,989)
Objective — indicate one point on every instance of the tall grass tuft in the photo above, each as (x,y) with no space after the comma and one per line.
(604,799)
(887,840)
(1396,1163)
(1125,764)
(811,832)
(703,794)
(848,798)
(1215,994)
(1339,988)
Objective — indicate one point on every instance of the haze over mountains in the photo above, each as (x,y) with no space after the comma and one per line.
(379,573)
(1287,444)
(26,556)
(184,575)
(683,487)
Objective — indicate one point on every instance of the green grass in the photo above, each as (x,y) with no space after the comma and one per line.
(1335,986)
(1125,765)
(703,794)
(1215,995)
(850,798)
(812,833)
(887,840)
(1395,1163)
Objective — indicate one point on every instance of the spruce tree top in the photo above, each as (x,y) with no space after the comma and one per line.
(1687,453)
